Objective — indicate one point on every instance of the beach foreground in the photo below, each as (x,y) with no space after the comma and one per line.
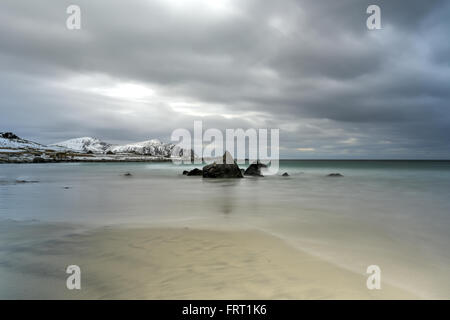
(170,263)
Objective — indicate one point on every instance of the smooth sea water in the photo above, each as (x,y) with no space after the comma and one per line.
(394,214)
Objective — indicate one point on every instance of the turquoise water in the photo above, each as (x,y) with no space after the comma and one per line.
(395,214)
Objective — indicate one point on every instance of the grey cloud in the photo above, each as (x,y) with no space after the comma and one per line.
(310,67)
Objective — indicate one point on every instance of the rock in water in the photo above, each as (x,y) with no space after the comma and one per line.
(195,172)
(335,175)
(255,169)
(185,172)
(127,174)
(26,181)
(227,169)
(285,174)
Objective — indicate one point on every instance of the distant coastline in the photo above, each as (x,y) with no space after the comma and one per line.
(80,159)
(14,149)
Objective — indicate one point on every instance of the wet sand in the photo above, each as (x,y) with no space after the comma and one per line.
(165,263)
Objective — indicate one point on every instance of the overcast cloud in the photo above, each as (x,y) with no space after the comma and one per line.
(138,69)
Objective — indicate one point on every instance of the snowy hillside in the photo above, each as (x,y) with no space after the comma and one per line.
(84,144)
(9,140)
(151,147)
(14,149)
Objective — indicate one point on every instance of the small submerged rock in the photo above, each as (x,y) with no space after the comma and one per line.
(335,175)
(127,174)
(285,174)
(26,181)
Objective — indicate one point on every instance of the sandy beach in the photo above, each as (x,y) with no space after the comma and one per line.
(170,263)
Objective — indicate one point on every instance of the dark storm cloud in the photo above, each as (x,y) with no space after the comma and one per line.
(310,68)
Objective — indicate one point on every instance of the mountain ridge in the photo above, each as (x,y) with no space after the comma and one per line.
(152,147)
(9,140)
(12,147)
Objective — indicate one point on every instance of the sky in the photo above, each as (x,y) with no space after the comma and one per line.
(139,69)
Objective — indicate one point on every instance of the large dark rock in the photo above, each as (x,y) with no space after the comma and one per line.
(285,174)
(227,169)
(255,169)
(185,172)
(195,172)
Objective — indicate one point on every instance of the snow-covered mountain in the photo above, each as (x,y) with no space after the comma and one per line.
(9,140)
(152,147)
(85,144)
(14,148)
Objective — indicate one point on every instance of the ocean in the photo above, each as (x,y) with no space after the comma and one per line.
(394,214)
